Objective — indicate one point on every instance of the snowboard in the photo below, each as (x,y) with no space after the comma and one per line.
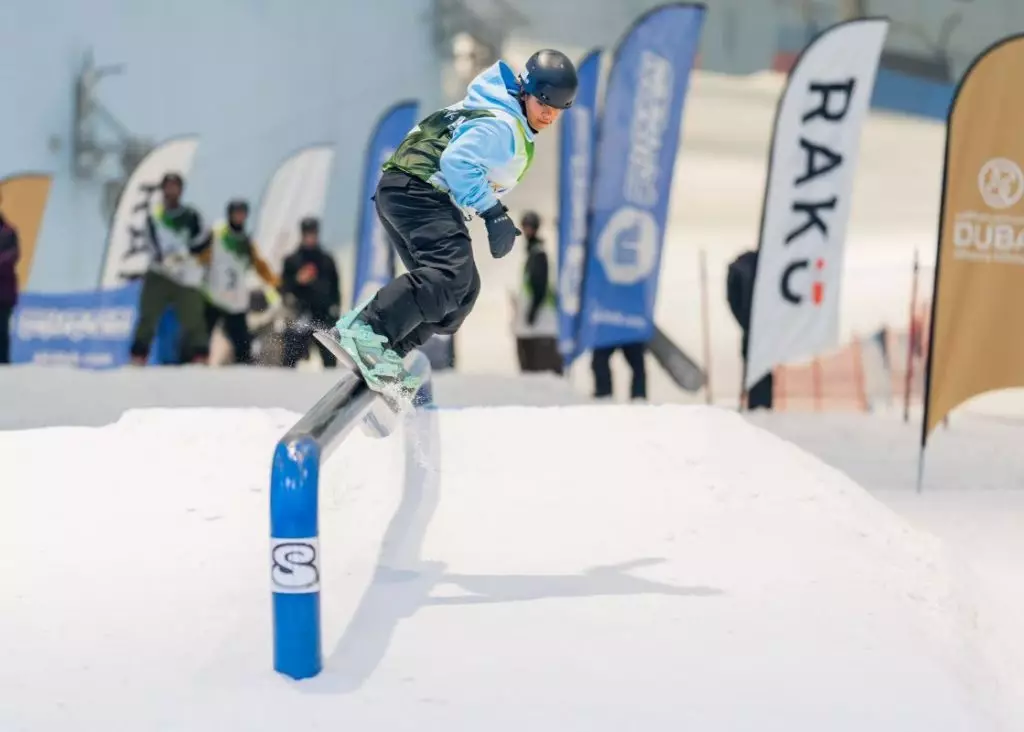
(683,370)
(395,398)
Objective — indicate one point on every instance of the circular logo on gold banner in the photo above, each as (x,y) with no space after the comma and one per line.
(1001,183)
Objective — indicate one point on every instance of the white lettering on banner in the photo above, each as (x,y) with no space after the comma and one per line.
(579,166)
(579,181)
(295,565)
(832,104)
(73,358)
(815,146)
(628,244)
(600,316)
(572,279)
(75,324)
(993,238)
(138,237)
(647,135)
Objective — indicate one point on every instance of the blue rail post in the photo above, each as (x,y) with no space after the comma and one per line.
(295,557)
(294,516)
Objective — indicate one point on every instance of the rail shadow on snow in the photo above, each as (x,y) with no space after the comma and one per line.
(402,582)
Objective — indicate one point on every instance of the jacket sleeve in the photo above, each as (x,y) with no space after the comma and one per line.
(202,235)
(9,251)
(477,146)
(537,276)
(334,292)
(288,274)
(262,268)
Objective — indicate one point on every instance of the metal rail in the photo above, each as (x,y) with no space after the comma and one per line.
(295,509)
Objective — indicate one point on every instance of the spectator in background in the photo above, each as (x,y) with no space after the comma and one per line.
(740,293)
(312,292)
(230,256)
(535,320)
(9,254)
(600,364)
(176,237)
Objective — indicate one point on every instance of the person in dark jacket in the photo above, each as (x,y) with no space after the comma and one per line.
(9,255)
(312,292)
(536,316)
(740,293)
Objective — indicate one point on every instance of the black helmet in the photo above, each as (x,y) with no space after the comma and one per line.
(309,225)
(551,77)
(172,178)
(238,204)
(530,218)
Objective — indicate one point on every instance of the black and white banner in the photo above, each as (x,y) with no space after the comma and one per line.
(128,252)
(795,312)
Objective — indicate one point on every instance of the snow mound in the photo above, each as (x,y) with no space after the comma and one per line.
(504,568)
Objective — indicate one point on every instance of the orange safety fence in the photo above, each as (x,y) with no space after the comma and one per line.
(871,372)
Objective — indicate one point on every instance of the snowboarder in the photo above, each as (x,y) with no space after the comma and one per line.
(458,161)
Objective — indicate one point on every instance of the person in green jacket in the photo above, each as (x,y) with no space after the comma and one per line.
(176,236)
(535,306)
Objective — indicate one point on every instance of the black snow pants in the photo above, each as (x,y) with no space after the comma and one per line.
(442,283)
(236,328)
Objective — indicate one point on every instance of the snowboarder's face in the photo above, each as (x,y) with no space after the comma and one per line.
(238,217)
(538,114)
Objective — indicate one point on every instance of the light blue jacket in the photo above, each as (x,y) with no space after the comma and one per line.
(488,154)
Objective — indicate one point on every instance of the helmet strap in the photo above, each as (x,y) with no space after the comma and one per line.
(521,98)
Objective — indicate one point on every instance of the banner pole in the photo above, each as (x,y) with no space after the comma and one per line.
(911,333)
(920,468)
(705,326)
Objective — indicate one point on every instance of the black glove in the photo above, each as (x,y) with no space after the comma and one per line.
(501,232)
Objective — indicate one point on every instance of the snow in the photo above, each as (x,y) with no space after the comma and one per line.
(503,567)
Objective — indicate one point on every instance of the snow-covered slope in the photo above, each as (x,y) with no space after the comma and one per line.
(561,568)
(41,396)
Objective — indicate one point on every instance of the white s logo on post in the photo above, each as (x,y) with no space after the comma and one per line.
(295,565)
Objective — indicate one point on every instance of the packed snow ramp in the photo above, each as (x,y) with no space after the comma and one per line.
(513,568)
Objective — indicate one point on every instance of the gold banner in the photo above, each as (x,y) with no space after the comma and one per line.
(977,344)
(22,202)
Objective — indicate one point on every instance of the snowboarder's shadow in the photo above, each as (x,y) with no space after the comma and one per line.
(403,583)
(608,579)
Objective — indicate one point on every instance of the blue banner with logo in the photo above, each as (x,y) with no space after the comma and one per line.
(578,138)
(375,259)
(85,329)
(636,152)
